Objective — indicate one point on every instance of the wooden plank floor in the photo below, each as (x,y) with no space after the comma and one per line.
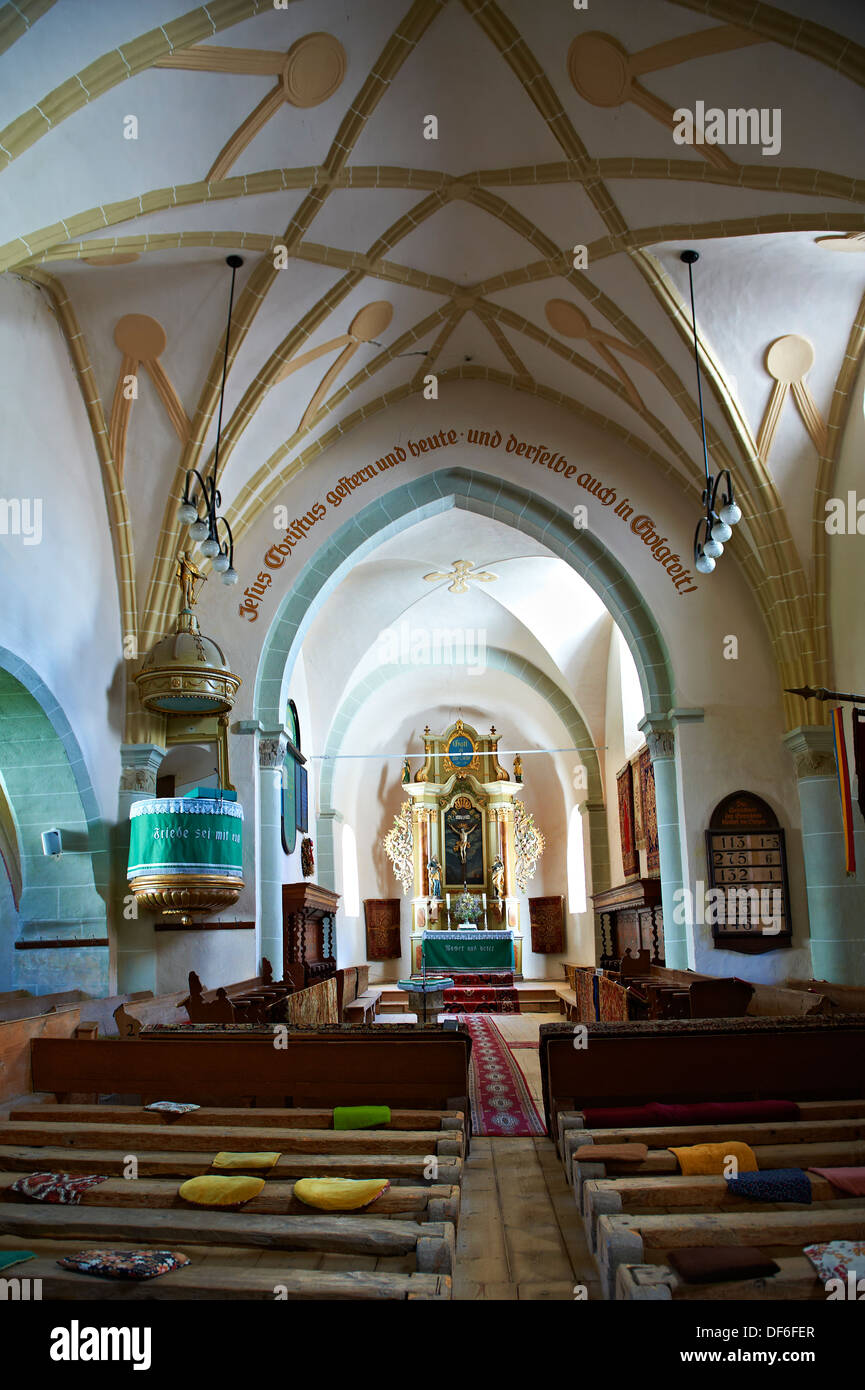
(520,1234)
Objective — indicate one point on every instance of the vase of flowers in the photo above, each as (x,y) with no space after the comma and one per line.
(468,909)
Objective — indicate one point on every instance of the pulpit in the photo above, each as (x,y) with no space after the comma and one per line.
(308,916)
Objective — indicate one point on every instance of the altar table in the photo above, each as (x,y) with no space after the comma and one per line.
(468,950)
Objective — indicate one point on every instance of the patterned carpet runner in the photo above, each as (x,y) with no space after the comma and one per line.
(500,1098)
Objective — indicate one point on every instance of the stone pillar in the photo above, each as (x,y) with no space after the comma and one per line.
(271,756)
(136,939)
(662,750)
(836,903)
(594,815)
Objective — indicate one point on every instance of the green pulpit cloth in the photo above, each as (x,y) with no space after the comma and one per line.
(360,1116)
(185,835)
(477,950)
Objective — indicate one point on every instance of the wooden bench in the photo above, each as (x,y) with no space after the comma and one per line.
(412,1068)
(635,1239)
(364,1008)
(796,1279)
(673,1196)
(735,1059)
(16,1038)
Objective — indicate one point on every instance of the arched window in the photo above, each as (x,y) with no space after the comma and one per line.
(295,795)
(350,884)
(576,863)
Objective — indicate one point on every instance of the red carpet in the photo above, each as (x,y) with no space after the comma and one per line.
(500,1098)
(481,1000)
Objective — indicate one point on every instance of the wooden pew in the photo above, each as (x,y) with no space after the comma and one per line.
(636,1240)
(671,1196)
(735,1059)
(223,1280)
(438,1202)
(411,1168)
(796,1279)
(413,1068)
(16,1038)
(32,1005)
(431,1243)
(257,1116)
(847,998)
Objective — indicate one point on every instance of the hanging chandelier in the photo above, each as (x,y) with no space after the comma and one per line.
(205,529)
(716,527)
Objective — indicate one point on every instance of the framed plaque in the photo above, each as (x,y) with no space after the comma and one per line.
(749,906)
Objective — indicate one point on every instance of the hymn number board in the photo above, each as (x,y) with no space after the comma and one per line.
(747,861)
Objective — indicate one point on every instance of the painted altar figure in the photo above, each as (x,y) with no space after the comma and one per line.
(406,771)
(498,877)
(435,878)
(189,577)
(518,768)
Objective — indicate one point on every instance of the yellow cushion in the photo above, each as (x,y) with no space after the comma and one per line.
(253,1160)
(220,1192)
(713,1158)
(339,1194)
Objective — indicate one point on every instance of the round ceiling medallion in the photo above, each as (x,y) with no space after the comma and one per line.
(314,68)
(598,68)
(789,358)
(140,337)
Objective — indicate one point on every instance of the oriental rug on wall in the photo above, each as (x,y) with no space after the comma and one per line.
(382,928)
(499,1094)
(630,857)
(650,818)
(547,917)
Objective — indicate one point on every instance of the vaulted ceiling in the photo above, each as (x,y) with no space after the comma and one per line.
(134,162)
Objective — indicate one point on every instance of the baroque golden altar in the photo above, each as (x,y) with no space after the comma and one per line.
(462,823)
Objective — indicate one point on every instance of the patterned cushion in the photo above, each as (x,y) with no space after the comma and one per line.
(834,1259)
(211,1191)
(339,1194)
(65,1189)
(124,1264)
(245,1160)
(172,1107)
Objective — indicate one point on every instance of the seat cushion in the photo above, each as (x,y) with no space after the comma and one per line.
(339,1194)
(713,1158)
(706,1264)
(65,1189)
(360,1116)
(211,1191)
(265,1159)
(124,1264)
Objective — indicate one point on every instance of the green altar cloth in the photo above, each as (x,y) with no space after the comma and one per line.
(477,950)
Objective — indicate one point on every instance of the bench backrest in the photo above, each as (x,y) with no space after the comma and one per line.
(403,1068)
(689,1060)
(16,1036)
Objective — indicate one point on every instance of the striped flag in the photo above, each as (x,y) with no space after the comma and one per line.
(844,788)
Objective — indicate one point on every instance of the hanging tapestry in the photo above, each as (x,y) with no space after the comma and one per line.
(382,928)
(639,832)
(630,857)
(547,917)
(650,819)
(859,754)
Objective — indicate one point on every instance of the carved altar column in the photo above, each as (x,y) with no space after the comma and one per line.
(836,903)
(272,748)
(136,953)
(678,938)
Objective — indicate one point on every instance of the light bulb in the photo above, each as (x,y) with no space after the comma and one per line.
(713,549)
(210,547)
(705,563)
(187,513)
(221,562)
(230,576)
(199,530)
(731,514)
(721,531)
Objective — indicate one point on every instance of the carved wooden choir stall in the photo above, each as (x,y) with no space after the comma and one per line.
(308,933)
